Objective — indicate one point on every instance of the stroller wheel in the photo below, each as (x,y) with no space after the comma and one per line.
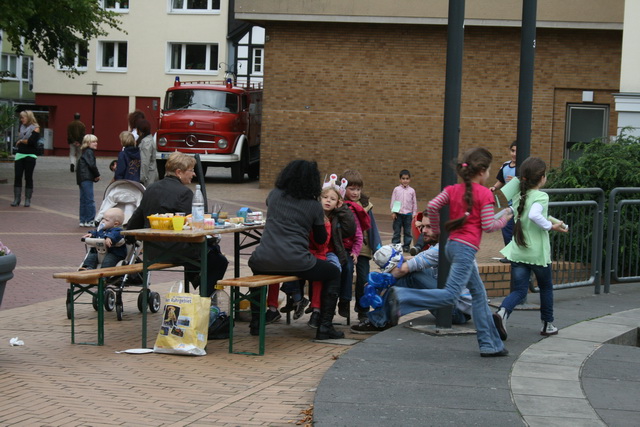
(140,296)
(69,302)
(119,310)
(109,299)
(154,302)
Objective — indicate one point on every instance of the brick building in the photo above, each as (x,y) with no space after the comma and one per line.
(358,85)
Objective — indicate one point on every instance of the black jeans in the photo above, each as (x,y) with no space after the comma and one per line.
(24,166)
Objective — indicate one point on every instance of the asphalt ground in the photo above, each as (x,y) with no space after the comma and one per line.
(402,376)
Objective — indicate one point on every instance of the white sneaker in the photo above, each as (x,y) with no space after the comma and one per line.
(548,329)
(500,320)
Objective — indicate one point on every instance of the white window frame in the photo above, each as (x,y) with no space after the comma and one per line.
(118,7)
(9,58)
(186,10)
(75,60)
(114,68)
(183,69)
(258,69)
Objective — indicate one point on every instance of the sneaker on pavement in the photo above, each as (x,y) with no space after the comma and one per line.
(272,316)
(299,308)
(308,310)
(367,327)
(548,329)
(502,353)
(500,320)
(314,320)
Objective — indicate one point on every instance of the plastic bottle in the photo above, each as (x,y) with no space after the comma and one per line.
(219,304)
(197,210)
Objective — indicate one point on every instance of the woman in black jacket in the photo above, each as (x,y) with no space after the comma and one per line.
(25,163)
(86,174)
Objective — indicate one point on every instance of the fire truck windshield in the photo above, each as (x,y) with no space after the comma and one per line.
(201,99)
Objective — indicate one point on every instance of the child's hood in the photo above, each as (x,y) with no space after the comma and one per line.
(361,215)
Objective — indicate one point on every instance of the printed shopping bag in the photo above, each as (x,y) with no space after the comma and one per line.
(185,323)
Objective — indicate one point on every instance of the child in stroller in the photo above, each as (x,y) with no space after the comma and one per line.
(120,200)
(114,248)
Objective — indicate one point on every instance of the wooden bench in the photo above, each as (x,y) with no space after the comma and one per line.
(84,281)
(261,281)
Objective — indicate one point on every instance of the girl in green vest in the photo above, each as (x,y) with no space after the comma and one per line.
(529,250)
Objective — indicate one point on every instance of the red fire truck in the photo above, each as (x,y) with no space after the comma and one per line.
(220,122)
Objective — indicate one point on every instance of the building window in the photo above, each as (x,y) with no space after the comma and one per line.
(191,6)
(195,58)
(113,56)
(258,55)
(116,5)
(584,124)
(9,65)
(78,56)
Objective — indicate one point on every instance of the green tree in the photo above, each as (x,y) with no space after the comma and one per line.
(54,26)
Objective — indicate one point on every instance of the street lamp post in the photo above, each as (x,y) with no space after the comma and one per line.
(94,92)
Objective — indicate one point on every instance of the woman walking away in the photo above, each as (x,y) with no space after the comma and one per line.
(86,174)
(293,212)
(25,162)
(471,207)
(147,146)
(530,250)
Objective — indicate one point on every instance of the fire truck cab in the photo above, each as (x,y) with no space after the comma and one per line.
(220,122)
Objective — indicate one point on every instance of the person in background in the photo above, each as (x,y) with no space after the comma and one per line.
(147,146)
(471,206)
(530,251)
(128,163)
(109,229)
(370,237)
(25,158)
(505,174)
(86,174)
(170,195)
(293,213)
(413,277)
(75,133)
(403,207)
(133,119)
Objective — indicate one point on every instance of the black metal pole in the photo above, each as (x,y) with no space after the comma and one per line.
(451,134)
(525,91)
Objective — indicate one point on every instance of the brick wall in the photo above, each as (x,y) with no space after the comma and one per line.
(371,97)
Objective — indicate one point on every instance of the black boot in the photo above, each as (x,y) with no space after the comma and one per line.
(17,194)
(326,331)
(27,197)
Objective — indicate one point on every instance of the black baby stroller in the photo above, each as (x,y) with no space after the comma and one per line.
(125,195)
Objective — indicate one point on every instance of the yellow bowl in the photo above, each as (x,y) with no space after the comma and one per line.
(160,222)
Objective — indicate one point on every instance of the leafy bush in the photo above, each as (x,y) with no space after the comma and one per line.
(606,165)
(603,164)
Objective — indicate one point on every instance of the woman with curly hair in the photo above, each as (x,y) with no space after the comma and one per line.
(293,213)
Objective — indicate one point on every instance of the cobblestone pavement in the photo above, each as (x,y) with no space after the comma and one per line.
(49,381)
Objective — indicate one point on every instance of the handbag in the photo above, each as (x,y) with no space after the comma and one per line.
(185,324)
(40,149)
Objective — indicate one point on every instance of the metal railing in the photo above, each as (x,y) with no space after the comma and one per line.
(622,261)
(577,255)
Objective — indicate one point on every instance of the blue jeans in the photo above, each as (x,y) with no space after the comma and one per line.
(521,273)
(507,231)
(346,279)
(87,204)
(464,271)
(109,260)
(410,290)
(402,221)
